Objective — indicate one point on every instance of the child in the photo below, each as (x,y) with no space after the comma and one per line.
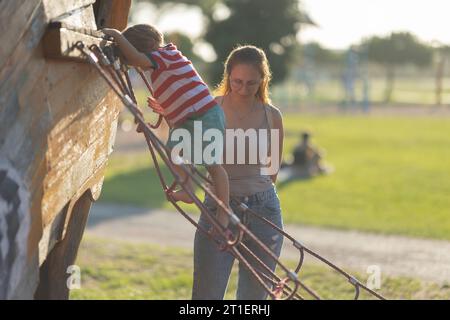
(179,94)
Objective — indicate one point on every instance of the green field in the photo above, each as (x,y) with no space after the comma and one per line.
(119,270)
(407,91)
(391,175)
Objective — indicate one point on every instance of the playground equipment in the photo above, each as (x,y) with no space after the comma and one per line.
(356,68)
(286,286)
(57,129)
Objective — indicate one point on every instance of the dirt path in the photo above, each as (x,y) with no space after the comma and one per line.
(395,255)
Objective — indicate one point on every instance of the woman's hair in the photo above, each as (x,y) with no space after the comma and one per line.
(247,55)
(144,37)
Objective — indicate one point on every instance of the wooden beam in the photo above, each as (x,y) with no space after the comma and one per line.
(60,39)
(112,13)
(56,9)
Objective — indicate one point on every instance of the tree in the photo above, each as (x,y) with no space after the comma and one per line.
(323,56)
(398,49)
(184,43)
(271,25)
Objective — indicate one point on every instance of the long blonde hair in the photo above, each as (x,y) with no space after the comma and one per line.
(247,55)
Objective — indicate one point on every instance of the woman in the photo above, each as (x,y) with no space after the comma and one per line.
(244,96)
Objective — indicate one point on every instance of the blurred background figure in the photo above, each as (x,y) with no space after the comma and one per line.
(349,77)
(306,161)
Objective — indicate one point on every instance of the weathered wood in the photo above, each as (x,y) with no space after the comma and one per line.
(55,10)
(70,223)
(64,112)
(57,126)
(15,20)
(109,13)
(72,157)
(53,273)
(11,69)
(82,18)
(60,43)
(14,223)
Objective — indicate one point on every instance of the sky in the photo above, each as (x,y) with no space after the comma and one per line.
(341,22)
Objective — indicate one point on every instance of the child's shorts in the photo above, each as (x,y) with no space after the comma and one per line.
(206,147)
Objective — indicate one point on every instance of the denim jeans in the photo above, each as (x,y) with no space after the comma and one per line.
(212,267)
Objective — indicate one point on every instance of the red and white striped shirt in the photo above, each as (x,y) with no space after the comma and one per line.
(177,88)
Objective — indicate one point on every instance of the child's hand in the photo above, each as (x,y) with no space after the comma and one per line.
(154,105)
(111,32)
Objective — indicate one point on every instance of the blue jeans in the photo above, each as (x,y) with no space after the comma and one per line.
(212,267)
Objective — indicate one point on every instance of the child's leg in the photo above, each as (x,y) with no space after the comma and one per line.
(181,195)
(220,181)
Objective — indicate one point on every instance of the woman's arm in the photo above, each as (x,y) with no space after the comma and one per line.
(278,124)
(133,56)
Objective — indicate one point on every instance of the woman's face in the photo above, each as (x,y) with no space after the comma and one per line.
(245,80)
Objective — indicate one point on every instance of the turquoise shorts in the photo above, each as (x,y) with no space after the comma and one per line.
(193,136)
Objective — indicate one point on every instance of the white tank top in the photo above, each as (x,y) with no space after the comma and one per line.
(246,179)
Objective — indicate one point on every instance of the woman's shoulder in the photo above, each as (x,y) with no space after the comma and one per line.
(274,116)
(274,111)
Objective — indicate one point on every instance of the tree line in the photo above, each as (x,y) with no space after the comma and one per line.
(274,25)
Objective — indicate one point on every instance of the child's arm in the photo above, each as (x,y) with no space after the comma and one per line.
(134,57)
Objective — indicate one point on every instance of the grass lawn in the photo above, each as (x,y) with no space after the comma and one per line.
(120,270)
(407,91)
(392,175)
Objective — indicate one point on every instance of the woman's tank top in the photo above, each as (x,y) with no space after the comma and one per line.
(246,179)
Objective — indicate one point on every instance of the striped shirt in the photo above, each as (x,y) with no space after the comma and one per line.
(178,90)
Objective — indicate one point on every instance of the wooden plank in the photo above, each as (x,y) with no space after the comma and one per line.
(61,8)
(52,112)
(82,18)
(15,20)
(52,234)
(59,43)
(75,152)
(21,52)
(16,122)
(53,273)
(68,169)
(33,83)
(20,18)
(45,104)
(17,118)
(57,229)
